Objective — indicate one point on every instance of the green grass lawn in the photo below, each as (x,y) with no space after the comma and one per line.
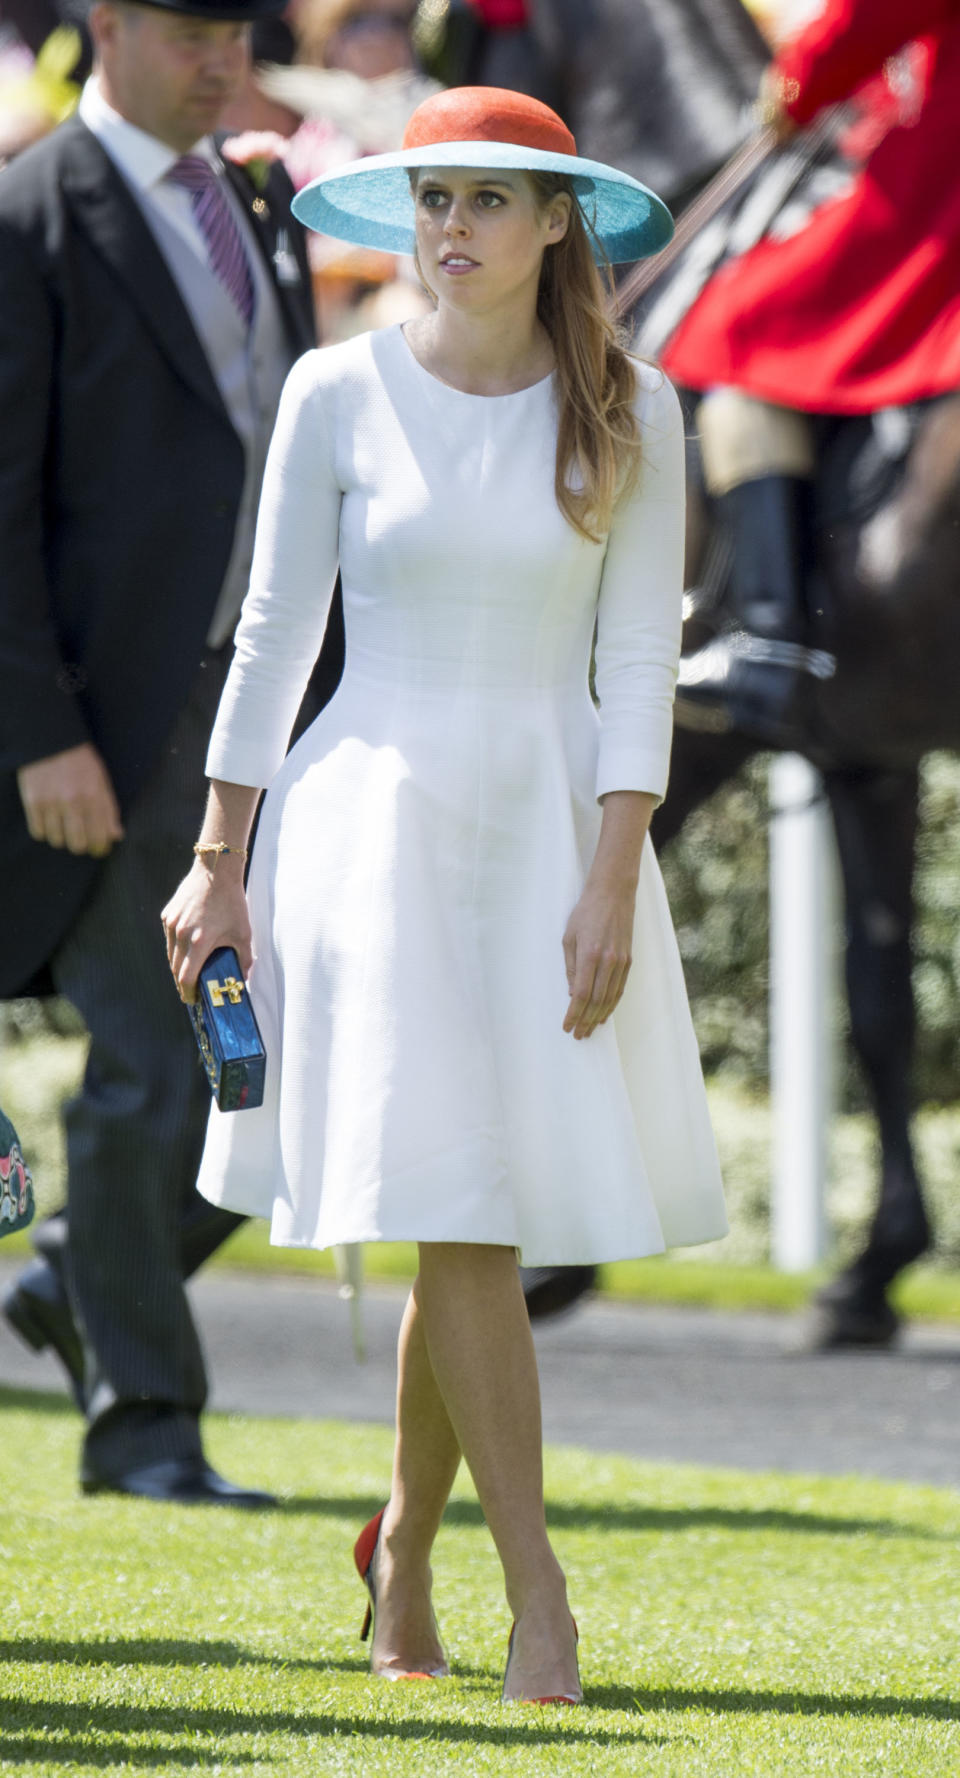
(730,1624)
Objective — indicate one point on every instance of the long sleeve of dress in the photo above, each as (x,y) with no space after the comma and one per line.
(291,586)
(640,611)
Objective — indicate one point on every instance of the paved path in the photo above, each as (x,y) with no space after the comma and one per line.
(673,1384)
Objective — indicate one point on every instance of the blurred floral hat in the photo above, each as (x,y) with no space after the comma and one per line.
(370,202)
(16,1185)
(36,95)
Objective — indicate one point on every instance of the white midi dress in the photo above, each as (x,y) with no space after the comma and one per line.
(422,846)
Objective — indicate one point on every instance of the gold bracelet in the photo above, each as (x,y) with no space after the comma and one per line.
(217,848)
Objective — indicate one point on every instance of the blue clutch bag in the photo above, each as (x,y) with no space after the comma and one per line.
(231,1047)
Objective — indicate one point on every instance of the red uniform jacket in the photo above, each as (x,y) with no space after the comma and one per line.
(861,309)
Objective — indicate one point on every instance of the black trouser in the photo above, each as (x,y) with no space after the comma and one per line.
(135,1130)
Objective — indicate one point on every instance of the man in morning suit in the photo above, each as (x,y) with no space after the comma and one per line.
(152,300)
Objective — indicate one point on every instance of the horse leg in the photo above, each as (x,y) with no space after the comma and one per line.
(875,817)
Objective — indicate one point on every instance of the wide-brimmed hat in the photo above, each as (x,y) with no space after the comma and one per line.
(370,201)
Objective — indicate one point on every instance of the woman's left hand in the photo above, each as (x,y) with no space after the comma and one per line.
(597,950)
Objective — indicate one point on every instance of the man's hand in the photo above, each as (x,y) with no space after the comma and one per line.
(68,800)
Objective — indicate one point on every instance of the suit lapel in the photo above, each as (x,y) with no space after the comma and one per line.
(107,211)
(263,214)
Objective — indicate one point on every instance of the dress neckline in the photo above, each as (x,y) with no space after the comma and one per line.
(466,394)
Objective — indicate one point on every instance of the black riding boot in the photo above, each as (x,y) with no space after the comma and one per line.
(754,677)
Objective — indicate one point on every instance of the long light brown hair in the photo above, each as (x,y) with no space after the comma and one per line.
(598,438)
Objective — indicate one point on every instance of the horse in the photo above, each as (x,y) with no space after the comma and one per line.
(887,533)
(887,566)
(888,579)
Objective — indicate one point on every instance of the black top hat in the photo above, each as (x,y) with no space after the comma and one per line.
(222,11)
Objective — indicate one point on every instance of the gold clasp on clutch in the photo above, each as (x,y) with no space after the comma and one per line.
(229,986)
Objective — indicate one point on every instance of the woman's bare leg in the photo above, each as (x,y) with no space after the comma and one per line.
(468,1381)
(426,1459)
(480,1348)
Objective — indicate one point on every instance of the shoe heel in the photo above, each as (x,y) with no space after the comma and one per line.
(364,1551)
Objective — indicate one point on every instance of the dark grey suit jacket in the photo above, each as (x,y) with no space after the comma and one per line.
(120,480)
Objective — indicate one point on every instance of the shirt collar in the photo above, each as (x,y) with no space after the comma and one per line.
(143,159)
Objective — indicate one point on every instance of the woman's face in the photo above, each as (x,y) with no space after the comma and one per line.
(481,235)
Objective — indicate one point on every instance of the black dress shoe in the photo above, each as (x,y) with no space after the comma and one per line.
(550,1290)
(38,1309)
(181,1481)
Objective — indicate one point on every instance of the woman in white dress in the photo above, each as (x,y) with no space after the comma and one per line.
(460,952)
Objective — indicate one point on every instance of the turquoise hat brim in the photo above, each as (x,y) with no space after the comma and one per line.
(369,202)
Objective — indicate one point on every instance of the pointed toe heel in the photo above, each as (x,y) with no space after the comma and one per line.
(551,1698)
(365,1557)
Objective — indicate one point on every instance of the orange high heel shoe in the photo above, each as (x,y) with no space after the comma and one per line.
(365,1557)
(556,1697)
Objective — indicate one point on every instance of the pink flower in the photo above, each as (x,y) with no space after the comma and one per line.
(255,151)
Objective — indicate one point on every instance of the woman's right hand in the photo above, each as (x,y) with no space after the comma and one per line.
(208,909)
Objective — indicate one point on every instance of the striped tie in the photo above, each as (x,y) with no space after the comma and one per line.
(214,218)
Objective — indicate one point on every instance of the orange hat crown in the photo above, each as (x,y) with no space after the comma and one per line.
(488,114)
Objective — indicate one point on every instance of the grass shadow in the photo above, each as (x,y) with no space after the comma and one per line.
(727,1518)
(77,1720)
(604,1516)
(131,1651)
(124,1651)
(43,1755)
(852,1704)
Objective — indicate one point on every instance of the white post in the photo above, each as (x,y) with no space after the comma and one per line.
(800,1043)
